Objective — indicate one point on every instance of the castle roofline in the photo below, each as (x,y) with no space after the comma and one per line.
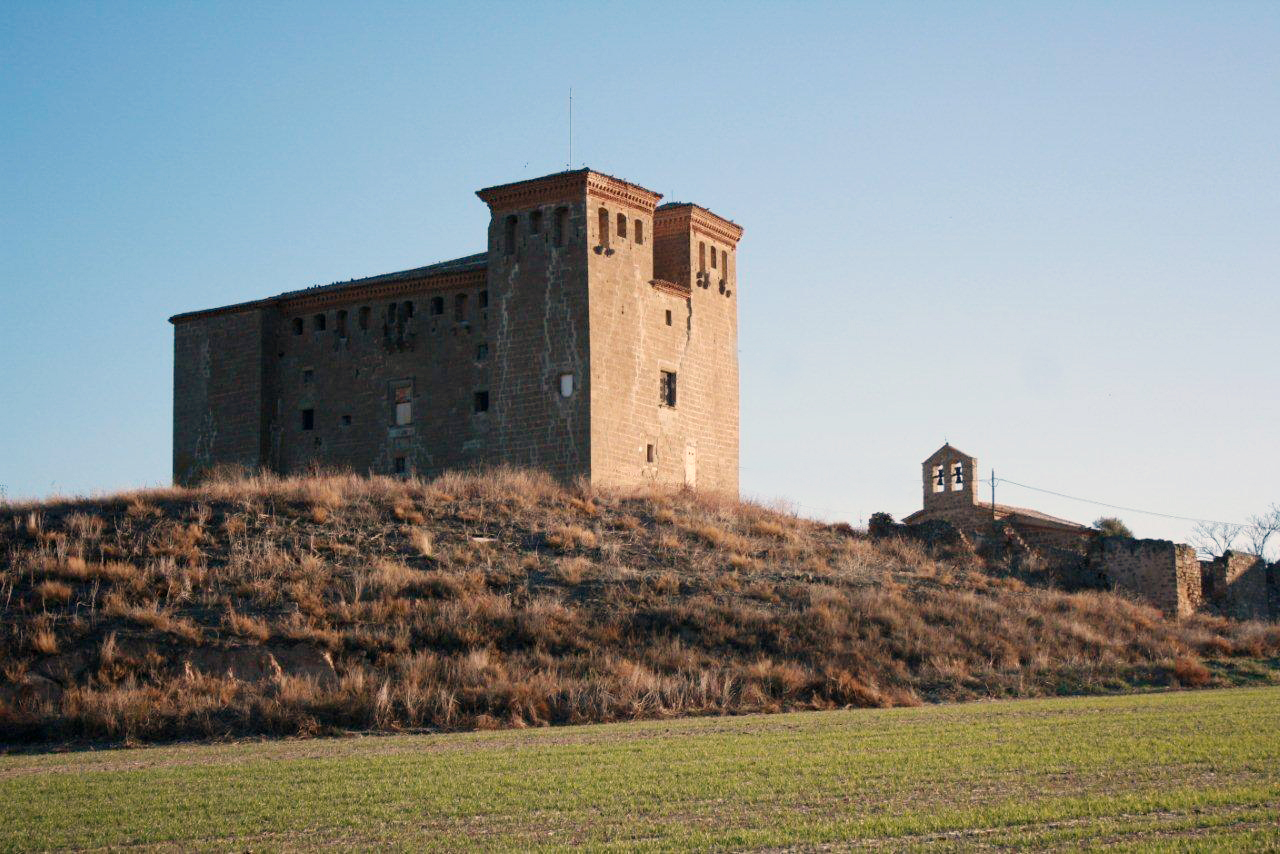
(442,274)
(567,186)
(674,216)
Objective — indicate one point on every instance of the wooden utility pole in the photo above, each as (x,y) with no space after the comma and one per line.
(993,495)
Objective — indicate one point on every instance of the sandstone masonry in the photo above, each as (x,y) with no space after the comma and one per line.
(1166,574)
(595,337)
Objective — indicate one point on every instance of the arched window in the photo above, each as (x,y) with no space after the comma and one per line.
(604,228)
(561,226)
(460,307)
(639,231)
(364,317)
(622,226)
(713,257)
(535,222)
(391,314)
(407,308)
(702,257)
(342,323)
(318,322)
(437,306)
(724,263)
(509,235)
(297,326)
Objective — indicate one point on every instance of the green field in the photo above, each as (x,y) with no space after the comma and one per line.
(1191,769)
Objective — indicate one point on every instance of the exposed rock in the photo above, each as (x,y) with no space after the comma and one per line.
(260,663)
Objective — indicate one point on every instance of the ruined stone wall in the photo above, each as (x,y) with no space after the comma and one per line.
(1238,586)
(220,392)
(1050,537)
(1164,573)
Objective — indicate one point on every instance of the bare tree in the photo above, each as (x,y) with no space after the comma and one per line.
(1213,538)
(1261,528)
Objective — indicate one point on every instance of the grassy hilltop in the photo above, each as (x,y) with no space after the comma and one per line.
(502,599)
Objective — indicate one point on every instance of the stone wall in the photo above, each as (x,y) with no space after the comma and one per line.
(1164,573)
(220,392)
(377,349)
(1237,586)
(647,321)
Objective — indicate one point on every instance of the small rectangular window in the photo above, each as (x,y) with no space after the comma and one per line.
(484,299)
(308,419)
(482,352)
(639,231)
(535,222)
(648,453)
(566,385)
(460,307)
(561,226)
(403,397)
(509,235)
(668,388)
(668,317)
(346,421)
(482,401)
(401,465)
(307,376)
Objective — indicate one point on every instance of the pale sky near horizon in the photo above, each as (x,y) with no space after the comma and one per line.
(1049,234)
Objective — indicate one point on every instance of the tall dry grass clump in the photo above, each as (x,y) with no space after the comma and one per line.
(258,604)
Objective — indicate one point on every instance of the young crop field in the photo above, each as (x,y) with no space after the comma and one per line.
(1199,769)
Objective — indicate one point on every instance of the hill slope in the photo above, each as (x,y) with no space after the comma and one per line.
(296,606)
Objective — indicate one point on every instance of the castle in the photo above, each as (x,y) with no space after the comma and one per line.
(596,337)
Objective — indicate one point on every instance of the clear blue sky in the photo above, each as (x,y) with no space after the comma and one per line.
(1047,233)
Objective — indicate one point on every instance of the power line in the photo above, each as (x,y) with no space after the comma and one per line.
(1000,480)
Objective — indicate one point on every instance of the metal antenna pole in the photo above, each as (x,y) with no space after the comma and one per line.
(570,164)
(993,495)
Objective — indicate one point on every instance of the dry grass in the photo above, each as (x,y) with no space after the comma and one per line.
(504,599)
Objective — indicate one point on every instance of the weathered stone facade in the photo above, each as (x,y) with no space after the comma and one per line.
(1165,573)
(1237,585)
(596,337)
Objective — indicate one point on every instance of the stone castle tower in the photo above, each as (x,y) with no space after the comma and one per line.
(596,337)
